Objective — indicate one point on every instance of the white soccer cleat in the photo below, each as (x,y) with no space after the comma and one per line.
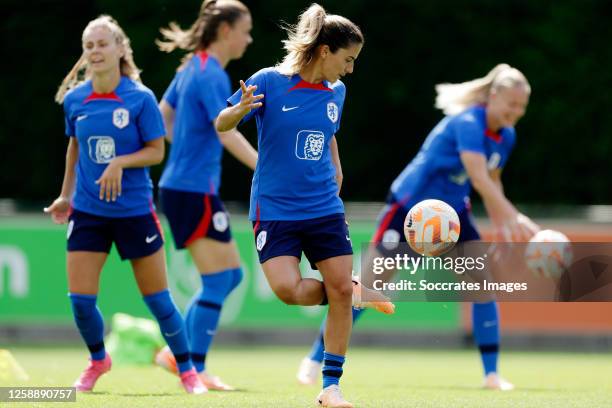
(309,370)
(494,382)
(332,397)
(374,299)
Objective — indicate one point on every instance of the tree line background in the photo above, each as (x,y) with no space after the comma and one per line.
(564,142)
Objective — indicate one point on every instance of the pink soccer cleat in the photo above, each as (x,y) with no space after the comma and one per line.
(332,397)
(373,299)
(90,375)
(165,359)
(192,383)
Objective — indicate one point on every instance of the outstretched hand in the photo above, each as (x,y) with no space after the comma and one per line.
(249,101)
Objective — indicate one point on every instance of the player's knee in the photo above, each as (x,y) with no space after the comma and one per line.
(217,286)
(286,293)
(340,291)
(160,304)
(237,276)
(82,306)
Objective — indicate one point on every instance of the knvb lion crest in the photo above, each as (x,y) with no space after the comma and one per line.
(332,112)
(121,117)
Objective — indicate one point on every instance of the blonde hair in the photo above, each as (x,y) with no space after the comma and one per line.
(455,98)
(315,27)
(80,70)
(203,31)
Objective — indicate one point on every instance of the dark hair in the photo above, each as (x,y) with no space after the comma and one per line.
(203,31)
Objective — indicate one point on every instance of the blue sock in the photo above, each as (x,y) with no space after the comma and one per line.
(316,352)
(485,321)
(205,311)
(189,309)
(332,368)
(172,327)
(90,323)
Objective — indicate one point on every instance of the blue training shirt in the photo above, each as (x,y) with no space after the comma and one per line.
(106,126)
(198,94)
(437,171)
(295,176)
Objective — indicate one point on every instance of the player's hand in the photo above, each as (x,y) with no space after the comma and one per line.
(517,229)
(249,101)
(59,210)
(110,181)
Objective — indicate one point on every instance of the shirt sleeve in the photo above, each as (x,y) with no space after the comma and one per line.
(259,79)
(342,91)
(170,95)
(150,122)
(69,120)
(469,136)
(213,95)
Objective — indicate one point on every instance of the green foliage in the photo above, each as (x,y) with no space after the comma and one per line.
(563,48)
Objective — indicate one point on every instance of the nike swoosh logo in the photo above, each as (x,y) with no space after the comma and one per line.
(285,109)
(148,240)
(211,332)
(489,323)
(348,238)
(81,117)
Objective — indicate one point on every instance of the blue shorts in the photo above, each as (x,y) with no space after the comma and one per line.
(391,225)
(319,238)
(134,237)
(195,215)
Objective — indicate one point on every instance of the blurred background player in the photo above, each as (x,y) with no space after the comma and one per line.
(190,181)
(468,148)
(295,206)
(115,132)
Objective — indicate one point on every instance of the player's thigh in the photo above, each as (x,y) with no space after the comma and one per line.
(211,256)
(83,269)
(150,272)
(283,273)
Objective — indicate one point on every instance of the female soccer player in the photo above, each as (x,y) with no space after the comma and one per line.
(468,148)
(116,131)
(295,205)
(190,182)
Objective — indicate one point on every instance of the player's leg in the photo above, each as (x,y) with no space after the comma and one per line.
(336,274)
(485,319)
(140,240)
(220,272)
(200,223)
(327,246)
(88,245)
(150,274)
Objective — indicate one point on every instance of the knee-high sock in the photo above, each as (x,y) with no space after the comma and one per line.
(90,323)
(332,368)
(205,310)
(485,321)
(318,347)
(172,327)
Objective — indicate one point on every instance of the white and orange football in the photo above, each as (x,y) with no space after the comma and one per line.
(432,227)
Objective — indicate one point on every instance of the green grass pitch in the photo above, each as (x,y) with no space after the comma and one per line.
(374,378)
